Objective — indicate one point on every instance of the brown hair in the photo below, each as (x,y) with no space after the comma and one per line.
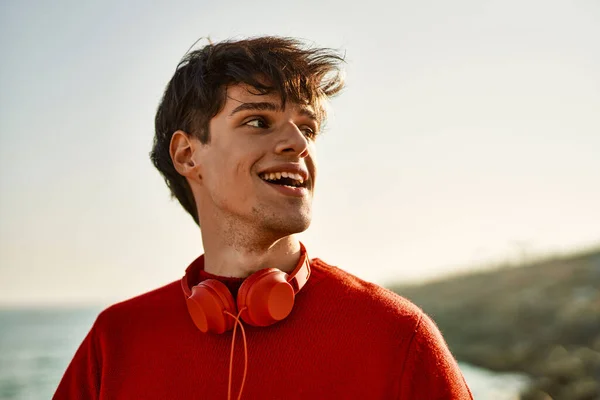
(196,92)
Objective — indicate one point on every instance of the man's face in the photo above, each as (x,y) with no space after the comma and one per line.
(259,166)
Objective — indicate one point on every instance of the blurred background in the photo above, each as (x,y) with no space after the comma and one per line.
(460,167)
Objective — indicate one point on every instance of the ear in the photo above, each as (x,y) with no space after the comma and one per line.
(182,150)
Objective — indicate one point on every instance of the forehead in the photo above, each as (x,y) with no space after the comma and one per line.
(239,94)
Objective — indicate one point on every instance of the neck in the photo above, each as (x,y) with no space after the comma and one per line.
(239,259)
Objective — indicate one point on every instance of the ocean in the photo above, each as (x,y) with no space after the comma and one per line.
(36,345)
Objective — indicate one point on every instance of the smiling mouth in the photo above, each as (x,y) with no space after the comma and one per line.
(289,179)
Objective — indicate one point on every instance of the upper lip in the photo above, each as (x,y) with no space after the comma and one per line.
(294,168)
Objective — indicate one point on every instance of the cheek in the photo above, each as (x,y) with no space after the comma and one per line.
(232,176)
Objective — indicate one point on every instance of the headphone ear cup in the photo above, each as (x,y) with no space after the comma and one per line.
(207,305)
(267,297)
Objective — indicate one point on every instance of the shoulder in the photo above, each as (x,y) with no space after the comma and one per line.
(150,305)
(375,301)
(425,366)
(429,370)
(352,287)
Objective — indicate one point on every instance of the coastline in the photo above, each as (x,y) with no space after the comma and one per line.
(541,319)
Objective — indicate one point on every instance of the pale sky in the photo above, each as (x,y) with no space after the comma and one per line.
(468,132)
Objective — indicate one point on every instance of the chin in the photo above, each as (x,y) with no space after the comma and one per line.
(280,221)
(288,226)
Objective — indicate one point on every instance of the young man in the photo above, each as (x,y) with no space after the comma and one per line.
(235,140)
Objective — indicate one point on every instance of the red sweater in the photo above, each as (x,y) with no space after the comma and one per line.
(345,338)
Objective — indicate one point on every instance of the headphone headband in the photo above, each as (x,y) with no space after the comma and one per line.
(299,276)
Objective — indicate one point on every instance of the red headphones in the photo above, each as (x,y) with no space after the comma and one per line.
(267,296)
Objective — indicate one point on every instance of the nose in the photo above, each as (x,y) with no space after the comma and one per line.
(292,141)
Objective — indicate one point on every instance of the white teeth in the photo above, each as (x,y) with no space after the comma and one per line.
(278,175)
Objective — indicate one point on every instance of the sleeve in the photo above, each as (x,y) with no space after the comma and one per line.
(82,377)
(430,371)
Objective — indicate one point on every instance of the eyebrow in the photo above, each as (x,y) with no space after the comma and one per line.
(266,106)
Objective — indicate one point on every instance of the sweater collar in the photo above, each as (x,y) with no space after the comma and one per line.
(197,274)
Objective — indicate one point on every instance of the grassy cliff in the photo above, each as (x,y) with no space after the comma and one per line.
(542,319)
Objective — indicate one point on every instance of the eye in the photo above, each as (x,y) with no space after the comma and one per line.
(308,132)
(257,123)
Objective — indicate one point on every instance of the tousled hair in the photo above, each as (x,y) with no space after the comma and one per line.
(197,91)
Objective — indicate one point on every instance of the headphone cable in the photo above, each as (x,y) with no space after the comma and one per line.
(237,321)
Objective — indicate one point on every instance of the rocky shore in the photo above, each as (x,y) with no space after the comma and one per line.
(542,319)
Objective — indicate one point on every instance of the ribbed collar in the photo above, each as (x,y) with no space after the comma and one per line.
(197,274)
